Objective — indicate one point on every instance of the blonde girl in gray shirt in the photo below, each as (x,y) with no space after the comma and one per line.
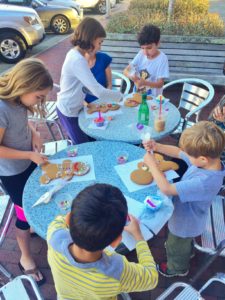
(24,88)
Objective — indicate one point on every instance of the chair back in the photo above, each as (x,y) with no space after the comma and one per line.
(196,94)
(193,97)
(214,233)
(120,82)
(16,289)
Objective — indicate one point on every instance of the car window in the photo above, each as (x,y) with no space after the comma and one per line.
(17,2)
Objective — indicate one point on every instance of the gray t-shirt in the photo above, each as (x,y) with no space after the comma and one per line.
(196,191)
(13,117)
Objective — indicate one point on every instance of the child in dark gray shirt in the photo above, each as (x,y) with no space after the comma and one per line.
(200,147)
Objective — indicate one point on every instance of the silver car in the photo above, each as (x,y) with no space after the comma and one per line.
(98,5)
(20,29)
(59,19)
(68,3)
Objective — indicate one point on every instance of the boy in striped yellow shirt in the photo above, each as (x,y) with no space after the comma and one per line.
(81,268)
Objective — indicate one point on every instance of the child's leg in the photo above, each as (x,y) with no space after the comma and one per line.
(14,186)
(178,252)
(72,128)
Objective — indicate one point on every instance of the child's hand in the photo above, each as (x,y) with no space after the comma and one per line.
(36,141)
(149,145)
(134,229)
(140,83)
(219,114)
(38,158)
(149,160)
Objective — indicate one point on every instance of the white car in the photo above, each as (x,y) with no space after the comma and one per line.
(68,3)
(98,5)
(20,29)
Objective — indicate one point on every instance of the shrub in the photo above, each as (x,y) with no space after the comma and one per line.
(190,17)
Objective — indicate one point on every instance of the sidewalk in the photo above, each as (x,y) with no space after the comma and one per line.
(9,251)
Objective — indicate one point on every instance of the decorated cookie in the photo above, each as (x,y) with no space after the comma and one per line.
(66,170)
(80,168)
(143,176)
(103,107)
(131,103)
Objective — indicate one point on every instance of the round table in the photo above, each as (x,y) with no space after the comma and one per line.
(104,155)
(122,127)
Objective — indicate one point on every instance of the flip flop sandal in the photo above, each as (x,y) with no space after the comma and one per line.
(34,271)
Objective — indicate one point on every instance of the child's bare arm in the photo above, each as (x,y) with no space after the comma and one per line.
(10,153)
(169,150)
(160,179)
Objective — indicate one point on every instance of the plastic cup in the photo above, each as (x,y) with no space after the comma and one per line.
(122,158)
(72,151)
(63,201)
(160,121)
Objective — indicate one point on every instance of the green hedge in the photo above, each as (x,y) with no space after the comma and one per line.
(190,17)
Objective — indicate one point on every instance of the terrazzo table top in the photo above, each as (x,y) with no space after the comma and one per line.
(104,155)
(119,128)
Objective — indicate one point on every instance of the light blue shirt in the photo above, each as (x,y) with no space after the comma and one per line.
(196,191)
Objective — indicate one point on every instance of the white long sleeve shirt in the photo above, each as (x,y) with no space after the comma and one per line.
(76,76)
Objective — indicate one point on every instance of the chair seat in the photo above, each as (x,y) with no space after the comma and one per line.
(51,148)
(189,293)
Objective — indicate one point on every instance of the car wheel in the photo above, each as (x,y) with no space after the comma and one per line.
(12,48)
(60,24)
(101,7)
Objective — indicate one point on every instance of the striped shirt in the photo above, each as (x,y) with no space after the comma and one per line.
(104,279)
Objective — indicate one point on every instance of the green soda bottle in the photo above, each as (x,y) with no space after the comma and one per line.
(143,112)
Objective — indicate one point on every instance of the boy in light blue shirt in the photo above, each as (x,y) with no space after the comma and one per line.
(200,147)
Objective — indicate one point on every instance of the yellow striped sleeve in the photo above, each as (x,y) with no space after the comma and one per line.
(58,223)
(140,276)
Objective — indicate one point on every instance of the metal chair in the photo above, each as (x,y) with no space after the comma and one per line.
(213,238)
(193,99)
(7,204)
(16,289)
(118,81)
(189,292)
(51,119)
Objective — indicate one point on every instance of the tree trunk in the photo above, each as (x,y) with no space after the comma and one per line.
(170,9)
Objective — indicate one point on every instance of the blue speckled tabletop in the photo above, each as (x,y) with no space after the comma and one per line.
(118,129)
(104,156)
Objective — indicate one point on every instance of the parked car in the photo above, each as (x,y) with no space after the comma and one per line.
(98,5)
(20,29)
(59,19)
(68,3)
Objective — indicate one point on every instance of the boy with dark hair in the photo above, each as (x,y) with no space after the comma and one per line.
(81,268)
(200,147)
(151,64)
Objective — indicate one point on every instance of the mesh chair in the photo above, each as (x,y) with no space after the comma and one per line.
(196,94)
(16,289)
(120,82)
(188,292)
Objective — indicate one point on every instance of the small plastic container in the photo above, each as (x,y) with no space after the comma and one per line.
(72,151)
(153,203)
(99,122)
(63,201)
(122,158)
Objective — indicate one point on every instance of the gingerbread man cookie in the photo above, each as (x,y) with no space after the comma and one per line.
(103,107)
(143,176)
(66,170)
